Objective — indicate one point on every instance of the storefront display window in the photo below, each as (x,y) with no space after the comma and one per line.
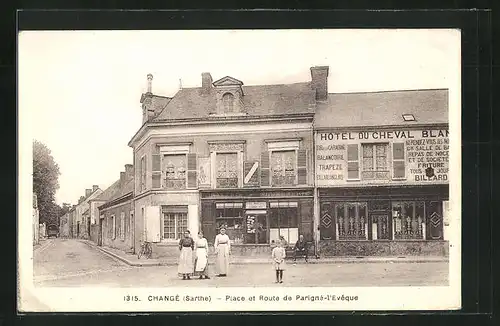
(352,220)
(408,220)
(230,216)
(227,170)
(283,221)
(175,171)
(283,165)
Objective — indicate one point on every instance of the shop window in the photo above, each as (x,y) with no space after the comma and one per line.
(283,166)
(352,162)
(408,220)
(227,170)
(374,162)
(230,216)
(175,171)
(228,103)
(398,161)
(283,221)
(175,222)
(352,220)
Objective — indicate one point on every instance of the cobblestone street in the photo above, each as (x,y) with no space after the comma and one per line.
(71,263)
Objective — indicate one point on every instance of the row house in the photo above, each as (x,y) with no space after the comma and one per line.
(381,162)
(80,219)
(112,213)
(230,155)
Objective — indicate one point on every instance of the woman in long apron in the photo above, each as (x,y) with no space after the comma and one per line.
(186,246)
(201,264)
(223,250)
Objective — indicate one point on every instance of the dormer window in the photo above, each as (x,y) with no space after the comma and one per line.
(228,102)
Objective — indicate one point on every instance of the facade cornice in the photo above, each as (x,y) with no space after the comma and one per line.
(387,127)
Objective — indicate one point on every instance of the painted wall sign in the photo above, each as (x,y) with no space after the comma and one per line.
(382,157)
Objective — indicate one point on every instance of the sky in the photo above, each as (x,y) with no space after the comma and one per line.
(81,89)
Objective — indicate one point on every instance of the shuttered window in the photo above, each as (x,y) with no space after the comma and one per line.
(398,161)
(352,162)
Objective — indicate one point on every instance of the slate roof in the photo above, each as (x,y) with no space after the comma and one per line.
(258,100)
(429,106)
(109,192)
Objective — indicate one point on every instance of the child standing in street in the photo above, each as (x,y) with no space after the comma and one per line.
(278,255)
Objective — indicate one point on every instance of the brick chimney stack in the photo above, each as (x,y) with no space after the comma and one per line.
(129,171)
(319,82)
(206,82)
(150,84)
(95,187)
(88,192)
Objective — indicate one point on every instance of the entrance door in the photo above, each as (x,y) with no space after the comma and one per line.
(257,230)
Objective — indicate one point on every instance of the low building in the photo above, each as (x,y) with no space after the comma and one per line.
(382,173)
(36,221)
(81,221)
(115,228)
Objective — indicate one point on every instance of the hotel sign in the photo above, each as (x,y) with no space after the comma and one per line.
(382,157)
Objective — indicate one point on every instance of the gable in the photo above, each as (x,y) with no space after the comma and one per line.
(228,81)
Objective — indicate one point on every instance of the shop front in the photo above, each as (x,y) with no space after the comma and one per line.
(382,192)
(255,219)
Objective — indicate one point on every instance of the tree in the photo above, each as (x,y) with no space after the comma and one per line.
(45,182)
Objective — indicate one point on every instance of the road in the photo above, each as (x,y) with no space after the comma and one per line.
(71,263)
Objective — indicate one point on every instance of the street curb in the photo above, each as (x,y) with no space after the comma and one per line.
(339,260)
(122,259)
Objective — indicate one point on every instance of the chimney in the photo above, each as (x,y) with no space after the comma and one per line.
(319,82)
(95,187)
(206,82)
(150,84)
(88,192)
(122,177)
(82,198)
(129,171)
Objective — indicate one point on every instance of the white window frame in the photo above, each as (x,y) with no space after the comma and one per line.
(374,158)
(284,146)
(213,164)
(176,222)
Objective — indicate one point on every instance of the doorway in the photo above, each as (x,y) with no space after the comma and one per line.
(101,233)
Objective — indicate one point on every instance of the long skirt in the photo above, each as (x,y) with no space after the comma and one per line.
(201,264)
(186,262)
(222,263)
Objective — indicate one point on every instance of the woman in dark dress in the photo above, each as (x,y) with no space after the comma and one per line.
(186,265)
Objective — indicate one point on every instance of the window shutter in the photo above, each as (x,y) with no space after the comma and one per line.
(139,173)
(208,221)
(153,220)
(306,220)
(192,170)
(352,161)
(398,161)
(156,171)
(302,166)
(122,226)
(264,169)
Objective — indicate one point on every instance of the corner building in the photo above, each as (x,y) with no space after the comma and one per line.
(381,172)
(230,155)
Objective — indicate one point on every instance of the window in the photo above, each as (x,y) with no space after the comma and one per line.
(398,161)
(227,170)
(122,226)
(284,168)
(113,227)
(352,220)
(228,103)
(352,162)
(375,161)
(408,220)
(143,173)
(283,221)
(230,216)
(175,171)
(175,222)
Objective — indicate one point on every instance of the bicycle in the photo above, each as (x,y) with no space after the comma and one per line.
(145,251)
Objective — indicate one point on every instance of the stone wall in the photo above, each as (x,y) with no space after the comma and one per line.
(94,233)
(383,248)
